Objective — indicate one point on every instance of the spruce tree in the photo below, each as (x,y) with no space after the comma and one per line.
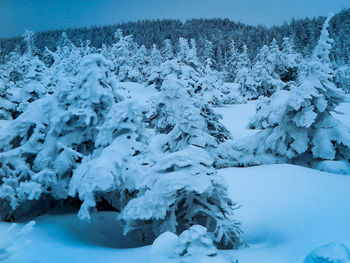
(183,188)
(297,124)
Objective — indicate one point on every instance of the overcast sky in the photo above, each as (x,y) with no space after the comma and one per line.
(38,15)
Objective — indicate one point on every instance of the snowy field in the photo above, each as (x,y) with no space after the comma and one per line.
(286,211)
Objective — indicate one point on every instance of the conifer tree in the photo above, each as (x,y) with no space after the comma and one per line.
(247,85)
(183,188)
(231,65)
(297,123)
(40,148)
(167,50)
(264,71)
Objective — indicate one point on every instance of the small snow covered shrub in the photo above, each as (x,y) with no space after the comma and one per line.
(10,241)
(297,124)
(330,253)
(193,245)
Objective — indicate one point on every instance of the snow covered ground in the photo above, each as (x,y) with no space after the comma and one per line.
(286,212)
(138,92)
(236,117)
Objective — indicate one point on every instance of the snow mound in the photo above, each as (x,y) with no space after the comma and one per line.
(330,253)
(12,241)
(287,211)
(193,245)
(337,167)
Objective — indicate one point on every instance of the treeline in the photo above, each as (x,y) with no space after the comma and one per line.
(221,32)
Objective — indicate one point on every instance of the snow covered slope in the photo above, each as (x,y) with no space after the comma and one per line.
(286,212)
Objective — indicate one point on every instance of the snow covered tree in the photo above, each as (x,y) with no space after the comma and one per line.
(28,38)
(66,58)
(183,49)
(178,66)
(342,77)
(171,111)
(43,145)
(192,58)
(65,65)
(183,188)
(211,85)
(155,58)
(231,65)
(153,69)
(141,58)
(27,78)
(188,54)
(113,169)
(289,62)
(7,105)
(244,77)
(123,57)
(208,50)
(297,124)
(167,50)
(267,81)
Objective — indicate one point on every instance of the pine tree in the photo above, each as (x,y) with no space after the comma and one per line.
(208,50)
(297,124)
(65,65)
(167,51)
(212,90)
(231,65)
(121,56)
(247,85)
(185,66)
(289,63)
(40,148)
(28,78)
(183,188)
(264,71)
(7,105)
(342,77)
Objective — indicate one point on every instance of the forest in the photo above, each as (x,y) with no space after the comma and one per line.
(126,119)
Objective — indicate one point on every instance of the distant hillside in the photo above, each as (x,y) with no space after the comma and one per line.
(220,32)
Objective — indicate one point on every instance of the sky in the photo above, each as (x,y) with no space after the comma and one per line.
(16,16)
